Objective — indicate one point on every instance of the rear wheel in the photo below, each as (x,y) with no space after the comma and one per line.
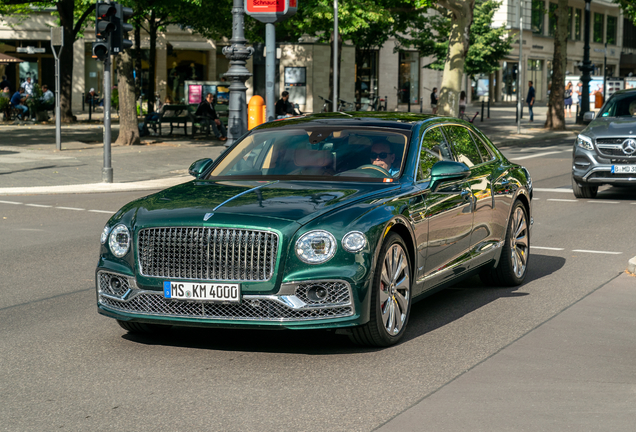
(143,328)
(513,264)
(390,296)
(583,191)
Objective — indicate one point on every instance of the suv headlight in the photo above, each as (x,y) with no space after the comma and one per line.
(584,142)
(119,240)
(316,247)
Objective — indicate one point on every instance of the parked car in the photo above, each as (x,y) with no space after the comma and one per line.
(605,151)
(331,220)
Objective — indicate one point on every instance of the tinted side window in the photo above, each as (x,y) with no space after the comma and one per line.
(486,155)
(434,149)
(463,145)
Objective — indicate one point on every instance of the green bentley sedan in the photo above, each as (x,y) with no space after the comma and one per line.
(328,221)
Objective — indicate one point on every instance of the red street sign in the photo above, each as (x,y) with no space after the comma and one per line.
(271,11)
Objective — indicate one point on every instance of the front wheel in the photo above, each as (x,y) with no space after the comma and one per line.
(390,296)
(582,191)
(513,264)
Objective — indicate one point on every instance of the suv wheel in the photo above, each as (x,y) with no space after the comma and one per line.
(583,191)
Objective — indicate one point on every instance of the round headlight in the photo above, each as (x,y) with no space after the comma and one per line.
(354,241)
(316,247)
(119,241)
(104,236)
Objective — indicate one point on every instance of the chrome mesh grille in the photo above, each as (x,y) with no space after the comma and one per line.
(612,147)
(205,253)
(337,293)
(260,309)
(610,140)
(108,283)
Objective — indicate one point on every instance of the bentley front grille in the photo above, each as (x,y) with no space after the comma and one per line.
(204,253)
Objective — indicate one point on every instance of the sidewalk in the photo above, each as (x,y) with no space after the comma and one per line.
(30,163)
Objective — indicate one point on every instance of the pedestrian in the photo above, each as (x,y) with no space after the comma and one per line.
(17,101)
(27,86)
(576,93)
(5,83)
(48,98)
(207,112)
(284,108)
(530,100)
(567,99)
(434,100)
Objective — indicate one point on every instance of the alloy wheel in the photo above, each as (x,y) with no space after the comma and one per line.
(395,290)
(519,242)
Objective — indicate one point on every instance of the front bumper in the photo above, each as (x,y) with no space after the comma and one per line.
(590,168)
(291,307)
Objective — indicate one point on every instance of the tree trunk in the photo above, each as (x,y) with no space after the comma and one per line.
(461,12)
(556,108)
(331,65)
(66,9)
(152,26)
(128,127)
(138,61)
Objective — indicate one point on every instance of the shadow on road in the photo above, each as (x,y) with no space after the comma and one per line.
(432,313)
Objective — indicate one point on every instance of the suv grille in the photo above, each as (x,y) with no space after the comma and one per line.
(611,146)
(218,254)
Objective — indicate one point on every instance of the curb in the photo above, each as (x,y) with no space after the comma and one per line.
(631,265)
(96,187)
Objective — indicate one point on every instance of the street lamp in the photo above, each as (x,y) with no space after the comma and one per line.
(237,53)
(587,67)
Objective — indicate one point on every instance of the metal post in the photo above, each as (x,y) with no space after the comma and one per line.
(107,170)
(335,56)
(408,96)
(270,70)
(520,68)
(482,110)
(421,104)
(488,116)
(90,108)
(237,53)
(605,73)
(587,67)
(57,39)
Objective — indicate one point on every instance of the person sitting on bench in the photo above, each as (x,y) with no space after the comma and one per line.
(207,112)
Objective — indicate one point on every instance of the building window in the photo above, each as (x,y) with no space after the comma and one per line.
(409,78)
(535,74)
(537,16)
(629,34)
(578,15)
(552,19)
(611,30)
(366,76)
(570,22)
(598,27)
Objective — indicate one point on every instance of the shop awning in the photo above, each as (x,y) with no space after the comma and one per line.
(5,58)
(187,45)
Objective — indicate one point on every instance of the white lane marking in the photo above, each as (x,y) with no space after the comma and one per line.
(538,155)
(70,208)
(10,202)
(38,205)
(553,190)
(535,199)
(597,252)
(604,202)
(547,248)
(102,211)
(527,149)
(562,200)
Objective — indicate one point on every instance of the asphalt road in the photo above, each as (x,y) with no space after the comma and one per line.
(64,367)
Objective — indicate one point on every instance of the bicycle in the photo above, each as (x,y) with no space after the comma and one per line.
(341,107)
(463,116)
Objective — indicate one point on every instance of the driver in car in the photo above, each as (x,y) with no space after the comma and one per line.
(382,156)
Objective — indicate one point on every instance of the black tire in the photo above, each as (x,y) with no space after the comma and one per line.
(390,297)
(583,191)
(143,328)
(513,263)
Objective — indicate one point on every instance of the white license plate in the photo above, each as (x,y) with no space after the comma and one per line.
(215,292)
(623,169)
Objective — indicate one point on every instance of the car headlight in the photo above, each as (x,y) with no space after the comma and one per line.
(119,240)
(354,241)
(584,142)
(316,247)
(104,236)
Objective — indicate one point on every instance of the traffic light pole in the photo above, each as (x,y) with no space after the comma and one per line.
(107,170)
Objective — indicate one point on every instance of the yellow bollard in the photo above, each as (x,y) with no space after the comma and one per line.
(255,110)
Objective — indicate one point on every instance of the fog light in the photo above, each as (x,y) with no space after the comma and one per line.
(317,293)
(115,284)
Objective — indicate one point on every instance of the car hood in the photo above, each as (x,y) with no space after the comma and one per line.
(611,127)
(231,201)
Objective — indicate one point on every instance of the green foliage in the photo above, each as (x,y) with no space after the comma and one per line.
(429,34)
(34,103)
(114,99)
(4,104)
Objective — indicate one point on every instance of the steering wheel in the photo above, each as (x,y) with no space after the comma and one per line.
(384,172)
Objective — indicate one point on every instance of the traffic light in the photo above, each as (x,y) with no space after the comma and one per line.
(104,27)
(117,41)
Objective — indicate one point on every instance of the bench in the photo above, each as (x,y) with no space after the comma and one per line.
(175,115)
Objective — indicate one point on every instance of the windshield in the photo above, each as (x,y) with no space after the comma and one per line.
(620,105)
(368,154)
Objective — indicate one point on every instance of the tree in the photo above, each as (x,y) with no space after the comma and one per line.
(128,124)
(73,16)
(556,114)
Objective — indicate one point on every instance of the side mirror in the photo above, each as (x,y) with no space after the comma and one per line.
(444,171)
(199,167)
(588,117)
